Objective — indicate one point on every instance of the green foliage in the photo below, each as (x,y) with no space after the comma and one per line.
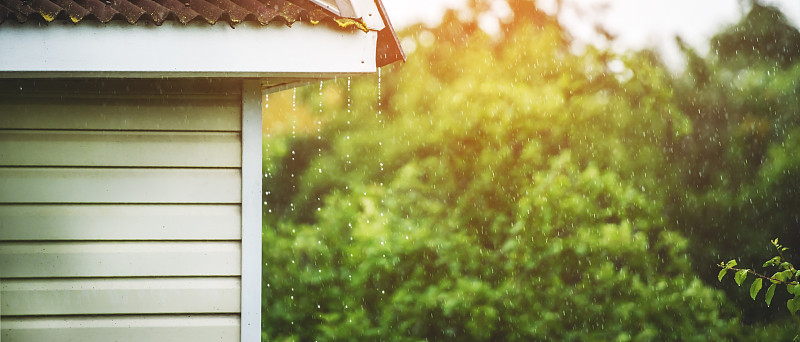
(755,288)
(787,275)
(515,200)
(740,166)
(763,36)
(770,293)
(507,188)
(741,275)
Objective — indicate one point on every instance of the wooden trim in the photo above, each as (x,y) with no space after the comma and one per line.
(251,211)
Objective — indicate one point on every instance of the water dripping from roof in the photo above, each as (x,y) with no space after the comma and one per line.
(379,115)
(348,97)
(319,137)
(266,153)
(347,160)
(319,118)
(294,99)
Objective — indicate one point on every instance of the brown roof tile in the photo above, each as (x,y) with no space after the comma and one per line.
(206,10)
(98,9)
(17,8)
(46,9)
(236,13)
(261,12)
(129,11)
(74,11)
(158,11)
(182,12)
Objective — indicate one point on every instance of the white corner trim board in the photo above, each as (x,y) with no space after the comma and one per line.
(173,49)
(251,211)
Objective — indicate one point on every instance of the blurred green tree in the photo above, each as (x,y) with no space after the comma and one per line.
(740,165)
(505,189)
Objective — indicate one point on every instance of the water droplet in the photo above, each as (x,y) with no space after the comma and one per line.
(294,99)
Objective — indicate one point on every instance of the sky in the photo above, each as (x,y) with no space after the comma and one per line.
(636,23)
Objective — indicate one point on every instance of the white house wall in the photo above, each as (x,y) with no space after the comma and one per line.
(103,236)
(119,49)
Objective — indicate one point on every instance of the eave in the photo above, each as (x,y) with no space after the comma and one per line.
(278,54)
(118,49)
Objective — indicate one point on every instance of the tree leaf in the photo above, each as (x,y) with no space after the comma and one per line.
(793,304)
(731,263)
(790,288)
(755,287)
(740,276)
(722,273)
(769,294)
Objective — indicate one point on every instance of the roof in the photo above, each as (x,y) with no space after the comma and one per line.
(231,12)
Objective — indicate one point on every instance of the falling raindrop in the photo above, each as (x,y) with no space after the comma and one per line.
(319,137)
(347,160)
(379,96)
(348,97)
(294,99)
(319,123)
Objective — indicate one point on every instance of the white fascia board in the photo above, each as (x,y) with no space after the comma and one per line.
(118,49)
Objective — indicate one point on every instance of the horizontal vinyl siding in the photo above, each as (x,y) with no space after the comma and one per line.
(31,222)
(147,328)
(120,212)
(120,296)
(120,259)
(81,148)
(119,185)
(123,112)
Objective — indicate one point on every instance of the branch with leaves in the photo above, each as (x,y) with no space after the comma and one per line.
(786,275)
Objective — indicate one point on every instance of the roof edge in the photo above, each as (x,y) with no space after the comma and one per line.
(389,48)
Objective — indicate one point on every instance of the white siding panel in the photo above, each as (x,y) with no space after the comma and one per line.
(153,114)
(120,222)
(66,185)
(120,210)
(158,328)
(103,148)
(119,259)
(119,296)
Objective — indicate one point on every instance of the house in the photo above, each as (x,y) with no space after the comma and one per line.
(130,156)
